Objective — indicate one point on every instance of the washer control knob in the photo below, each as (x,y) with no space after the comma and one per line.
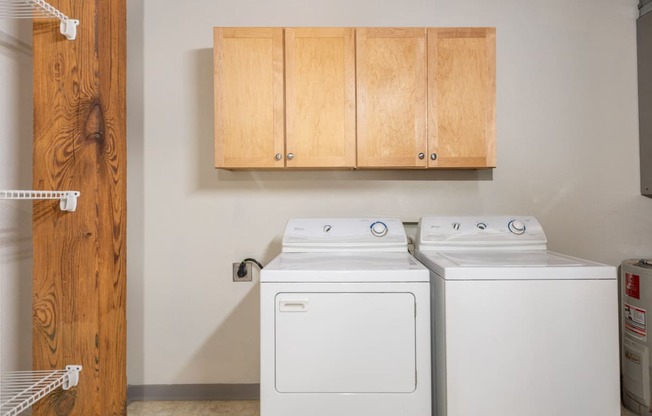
(379,229)
(516,227)
(481,225)
(457,226)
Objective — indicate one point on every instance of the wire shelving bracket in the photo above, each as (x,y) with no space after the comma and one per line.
(21,389)
(18,9)
(68,199)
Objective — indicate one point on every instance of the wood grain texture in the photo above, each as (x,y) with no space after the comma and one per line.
(462,97)
(320,97)
(79,268)
(249,97)
(391,97)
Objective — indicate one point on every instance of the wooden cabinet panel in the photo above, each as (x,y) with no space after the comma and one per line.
(249,113)
(394,98)
(320,97)
(391,97)
(462,97)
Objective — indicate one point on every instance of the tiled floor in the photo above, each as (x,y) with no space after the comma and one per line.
(212,408)
(196,408)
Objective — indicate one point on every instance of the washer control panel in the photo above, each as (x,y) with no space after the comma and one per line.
(470,232)
(344,234)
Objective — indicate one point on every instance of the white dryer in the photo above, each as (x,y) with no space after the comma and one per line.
(345,322)
(517,329)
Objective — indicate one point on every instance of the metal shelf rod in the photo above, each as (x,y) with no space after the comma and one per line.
(21,389)
(68,199)
(24,9)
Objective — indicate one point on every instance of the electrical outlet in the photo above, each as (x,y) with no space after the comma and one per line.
(247,277)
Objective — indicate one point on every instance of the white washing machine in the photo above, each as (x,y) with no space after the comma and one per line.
(345,322)
(517,329)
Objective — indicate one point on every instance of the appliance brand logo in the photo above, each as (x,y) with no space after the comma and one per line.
(632,286)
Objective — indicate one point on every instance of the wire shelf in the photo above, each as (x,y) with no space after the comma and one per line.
(21,389)
(68,199)
(34,9)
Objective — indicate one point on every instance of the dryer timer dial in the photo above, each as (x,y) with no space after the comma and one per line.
(378,229)
(516,227)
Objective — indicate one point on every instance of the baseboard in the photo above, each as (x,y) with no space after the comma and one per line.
(193,392)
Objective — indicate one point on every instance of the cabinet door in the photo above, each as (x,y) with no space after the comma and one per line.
(391,97)
(320,97)
(249,124)
(462,97)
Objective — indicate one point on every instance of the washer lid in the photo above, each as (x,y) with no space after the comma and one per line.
(512,265)
(304,235)
(344,267)
(499,258)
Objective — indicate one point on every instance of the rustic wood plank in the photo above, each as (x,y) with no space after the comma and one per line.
(80,257)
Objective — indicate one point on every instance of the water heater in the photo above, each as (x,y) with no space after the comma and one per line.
(636,342)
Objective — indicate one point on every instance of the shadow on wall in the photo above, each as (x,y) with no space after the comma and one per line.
(16,216)
(209,178)
(235,341)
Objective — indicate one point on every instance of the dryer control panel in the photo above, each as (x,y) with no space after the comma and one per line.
(344,234)
(480,232)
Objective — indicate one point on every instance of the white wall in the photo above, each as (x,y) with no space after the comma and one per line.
(567,153)
(15,216)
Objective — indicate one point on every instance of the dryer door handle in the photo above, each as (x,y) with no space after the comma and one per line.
(293,306)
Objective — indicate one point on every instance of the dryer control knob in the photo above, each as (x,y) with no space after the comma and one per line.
(379,229)
(516,227)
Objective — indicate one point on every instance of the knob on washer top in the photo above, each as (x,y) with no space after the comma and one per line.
(516,227)
(378,229)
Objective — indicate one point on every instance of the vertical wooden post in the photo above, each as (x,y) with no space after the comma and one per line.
(80,257)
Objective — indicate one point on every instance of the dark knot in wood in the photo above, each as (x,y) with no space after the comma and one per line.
(94,127)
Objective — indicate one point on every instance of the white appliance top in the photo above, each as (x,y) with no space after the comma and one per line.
(344,267)
(305,235)
(481,232)
(512,265)
(503,258)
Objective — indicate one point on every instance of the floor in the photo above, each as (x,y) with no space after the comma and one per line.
(195,408)
(210,408)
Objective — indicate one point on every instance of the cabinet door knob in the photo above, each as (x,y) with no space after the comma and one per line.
(278,156)
(290,156)
(433,156)
(421,156)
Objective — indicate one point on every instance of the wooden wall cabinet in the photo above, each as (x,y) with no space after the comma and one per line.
(386,98)
(284,102)
(391,81)
(249,108)
(320,97)
(462,97)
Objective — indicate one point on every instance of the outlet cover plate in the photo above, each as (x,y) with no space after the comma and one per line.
(247,277)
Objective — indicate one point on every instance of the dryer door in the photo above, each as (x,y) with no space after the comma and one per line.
(345,343)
